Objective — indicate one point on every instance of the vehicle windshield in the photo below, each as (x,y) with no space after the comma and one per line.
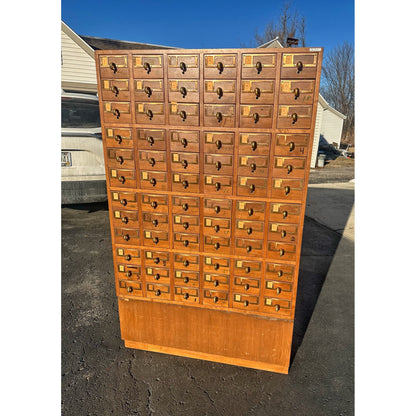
(80,113)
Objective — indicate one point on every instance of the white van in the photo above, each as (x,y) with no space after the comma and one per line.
(82,157)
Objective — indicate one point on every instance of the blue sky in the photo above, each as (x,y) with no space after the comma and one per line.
(196,24)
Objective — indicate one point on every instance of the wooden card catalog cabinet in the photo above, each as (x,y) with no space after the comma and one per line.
(207,157)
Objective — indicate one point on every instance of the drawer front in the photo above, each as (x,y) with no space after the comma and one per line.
(154,180)
(118,137)
(185,162)
(289,167)
(287,213)
(258,91)
(186,294)
(187,278)
(217,208)
(252,186)
(115,89)
(157,275)
(249,229)
(156,258)
(214,264)
(158,291)
(120,158)
(185,182)
(280,272)
(218,184)
(217,226)
(186,223)
(217,244)
(283,232)
(256,116)
(185,241)
(116,112)
(151,139)
(158,222)
(259,65)
(152,160)
(218,164)
(280,290)
(114,66)
(130,288)
(246,302)
(156,239)
(186,262)
(184,90)
(296,91)
(254,144)
(219,115)
(246,285)
(183,66)
(291,145)
(124,218)
(155,203)
(219,66)
(294,116)
(124,200)
(127,255)
(299,65)
(148,90)
(250,210)
(219,91)
(279,307)
(215,298)
(128,271)
(130,236)
(124,178)
(185,205)
(184,114)
(216,281)
(248,247)
(287,188)
(147,66)
(281,251)
(249,165)
(182,140)
(218,142)
(150,113)
(248,268)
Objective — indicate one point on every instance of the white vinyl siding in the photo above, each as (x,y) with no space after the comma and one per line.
(331,127)
(316,135)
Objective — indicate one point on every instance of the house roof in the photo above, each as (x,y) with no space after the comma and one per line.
(108,44)
(326,106)
(80,42)
(274,43)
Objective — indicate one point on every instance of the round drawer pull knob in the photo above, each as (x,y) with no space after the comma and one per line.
(252,187)
(152,161)
(217,228)
(256,117)
(289,168)
(158,292)
(277,307)
(186,243)
(153,204)
(217,209)
(124,220)
(247,269)
(296,91)
(287,189)
(186,263)
(219,92)
(147,67)
(122,179)
(149,113)
(185,184)
(281,252)
(157,260)
(184,142)
(283,233)
(246,286)
(220,67)
(186,225)
(157,276)
(248,249)
(217,246)
(183,92)
(280,273)
(249,230)
(120,159)
(185,207)
(294,118)
(258,67)
(127,257)
(217,186)
(278,290)
(218,165)
(254,145)
(219,116)
(128,273)
(246,303)
(216,266)
(186,279)
(250,212)
(183,115)
(113,67)
(186,295)
(253,167)
(182,66)
(257,93)
(284,213)
(218,143)
(126,237)
(129,289)
(123,202)
(153,182)
(291,146)
(115,90)
(118,139)
(216,283)
(150,140)
(155,222)
(148,91)
(215,299)
(116,113)
(184,164)
(299,66)
(155,240)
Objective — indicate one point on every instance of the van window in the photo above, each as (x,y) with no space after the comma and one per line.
(80,113)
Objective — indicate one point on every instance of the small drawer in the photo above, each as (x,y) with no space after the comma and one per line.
(128,271)
(247,268)
(246,285)
(183,90)
(114,66)
(277,307)
(291,189)
(124,218)
(184,241)
(185,162)
(156,239)
(281,272)
(254,144)
(154,180)
(216,281)
(157,275)
(185,182)
(219,66)
(147,66)
(256,116)
(183,66)
(249,229)
(186,294)
(219,115)
(152,160)
(291,144)
(148,90)
(186,114)
(297,91)
(186,278)
(186,223)
(299,65)
(259,65)
(215,298)
(118,137)
(283,232)
(213,264)
(294,116)
(248,247)
(120,158)
(289,167)
(216,244)
(158,291)
(150,113)
(218,184)
(155,203)
(287,213)
(217,226)
(218,164)
(251,186)
(151,139)
(281,251)
(280,290)
(246,302)
(116,112)
(218,142)
(260,91)
(127,200)
(250,210)
(218,208)
(186,261)
(185,205)
(253,165)
(115,90)
(156,258)
(157,222)
(124,178)
(219,91)
(129,236)
(127,255)
(181,140)
(130,288)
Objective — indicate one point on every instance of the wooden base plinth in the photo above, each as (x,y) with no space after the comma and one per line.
(227,337)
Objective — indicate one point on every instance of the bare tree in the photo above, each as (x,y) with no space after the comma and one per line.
(337,85)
